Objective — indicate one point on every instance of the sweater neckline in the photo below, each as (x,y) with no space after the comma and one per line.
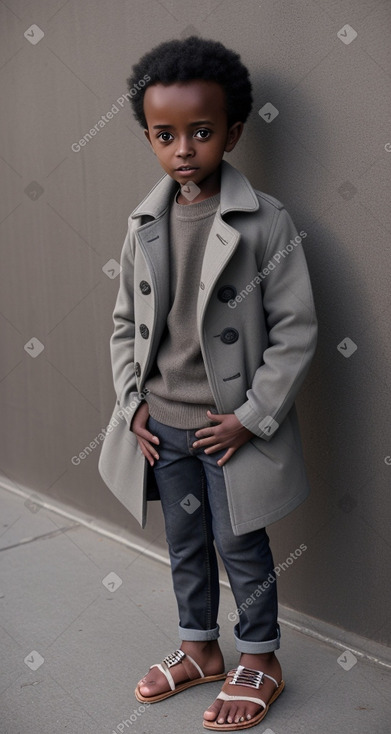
(198,210)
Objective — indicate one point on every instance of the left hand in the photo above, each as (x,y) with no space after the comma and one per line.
(229,433)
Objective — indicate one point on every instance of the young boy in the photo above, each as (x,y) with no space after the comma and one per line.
(214,333)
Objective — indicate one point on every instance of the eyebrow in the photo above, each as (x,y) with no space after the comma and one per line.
(192,124)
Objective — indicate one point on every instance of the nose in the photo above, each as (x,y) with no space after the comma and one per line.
(185,147)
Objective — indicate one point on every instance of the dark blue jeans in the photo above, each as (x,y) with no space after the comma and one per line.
(195,507)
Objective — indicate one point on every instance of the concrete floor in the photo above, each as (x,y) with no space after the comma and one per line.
(83,617)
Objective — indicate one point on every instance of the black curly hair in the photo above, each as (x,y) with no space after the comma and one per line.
(189,59)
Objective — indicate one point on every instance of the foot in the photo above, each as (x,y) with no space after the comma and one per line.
(206,654)
(229,712)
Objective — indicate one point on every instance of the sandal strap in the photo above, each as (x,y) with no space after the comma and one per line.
(201,673)
(164,669)
(225,697)
(173,659)
(242,676)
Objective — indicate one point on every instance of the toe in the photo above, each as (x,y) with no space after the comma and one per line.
(231,715)
(227,713)
(239,714)
(249,713)
(213,711)
(145,689)
(151,685)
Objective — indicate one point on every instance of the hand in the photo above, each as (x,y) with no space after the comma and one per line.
(144,437)
(229,433)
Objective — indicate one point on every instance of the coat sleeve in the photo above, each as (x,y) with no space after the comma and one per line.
(122,339)
(292,331)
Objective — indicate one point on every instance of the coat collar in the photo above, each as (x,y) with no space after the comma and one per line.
(236,194)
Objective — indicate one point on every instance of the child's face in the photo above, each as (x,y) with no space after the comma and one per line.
(187,128)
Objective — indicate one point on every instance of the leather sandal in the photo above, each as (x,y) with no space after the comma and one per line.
(174,659)
(250,678)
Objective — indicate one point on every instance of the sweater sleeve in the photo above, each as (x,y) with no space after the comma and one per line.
(292,329)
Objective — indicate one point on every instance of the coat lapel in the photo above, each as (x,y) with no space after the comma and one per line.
(153,267)
(220,246)
(236,194)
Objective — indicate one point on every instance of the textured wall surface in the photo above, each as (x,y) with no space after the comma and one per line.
(325,66)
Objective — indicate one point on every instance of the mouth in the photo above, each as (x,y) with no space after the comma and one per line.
(186,169)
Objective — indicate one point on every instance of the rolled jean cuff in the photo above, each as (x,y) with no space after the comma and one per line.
(198,635)
(257,648)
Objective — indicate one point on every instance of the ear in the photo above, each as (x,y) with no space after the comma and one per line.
(233,136)
(148,137)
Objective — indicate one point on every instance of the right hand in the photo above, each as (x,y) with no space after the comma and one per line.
(145,438)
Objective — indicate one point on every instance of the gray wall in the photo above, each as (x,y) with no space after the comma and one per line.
(63,216)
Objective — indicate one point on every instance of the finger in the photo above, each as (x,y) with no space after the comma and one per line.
(151,450)
(226,456)
(207,441)
(148,451)
(213,417)
(216,447)
(204,432)
(145,434)
(216,417)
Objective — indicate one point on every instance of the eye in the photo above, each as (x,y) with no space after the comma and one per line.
(203,133)
(167,138)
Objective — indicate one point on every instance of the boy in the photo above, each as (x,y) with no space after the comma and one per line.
(214,333)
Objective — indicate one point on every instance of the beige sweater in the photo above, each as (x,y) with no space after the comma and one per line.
(179,390)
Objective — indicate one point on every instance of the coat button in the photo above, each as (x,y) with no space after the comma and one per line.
(145,288)
(137,369)
(226,293)
(144,331)
(229,336)
(202,286)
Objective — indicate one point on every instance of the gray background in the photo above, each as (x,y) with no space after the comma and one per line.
(63,217)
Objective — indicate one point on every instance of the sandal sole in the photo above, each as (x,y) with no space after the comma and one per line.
(245,724)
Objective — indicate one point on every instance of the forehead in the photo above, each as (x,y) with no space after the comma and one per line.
(196,99)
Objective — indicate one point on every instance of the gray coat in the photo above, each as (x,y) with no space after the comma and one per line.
(257,328)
